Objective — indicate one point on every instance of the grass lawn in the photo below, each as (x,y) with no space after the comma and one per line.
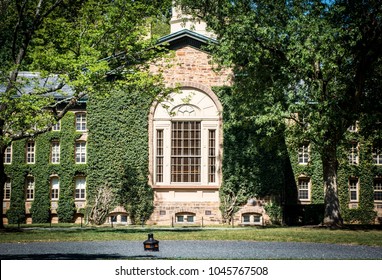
(354,236)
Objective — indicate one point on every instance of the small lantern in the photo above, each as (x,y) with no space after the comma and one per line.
(151,244)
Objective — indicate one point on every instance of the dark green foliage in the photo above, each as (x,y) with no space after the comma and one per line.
(17,173)
(119,146)
(254,164)
(365,171)
(313,62)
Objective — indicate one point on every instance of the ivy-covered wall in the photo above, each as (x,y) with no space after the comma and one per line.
(118,148)
(365,171)
(42,170)
(261,166)
(254,165)
(117,157)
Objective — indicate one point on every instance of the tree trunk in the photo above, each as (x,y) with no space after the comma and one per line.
(332,217)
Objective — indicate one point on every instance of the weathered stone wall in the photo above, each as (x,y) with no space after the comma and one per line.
(191,65)
(206,213)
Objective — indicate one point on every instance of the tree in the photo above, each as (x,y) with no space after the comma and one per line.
(71,46)
(315,63)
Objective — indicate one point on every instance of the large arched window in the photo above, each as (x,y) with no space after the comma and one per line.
(185,139)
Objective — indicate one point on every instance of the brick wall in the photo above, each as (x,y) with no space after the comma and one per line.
(191,65)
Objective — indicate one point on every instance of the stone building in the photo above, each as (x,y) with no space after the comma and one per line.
(185,140)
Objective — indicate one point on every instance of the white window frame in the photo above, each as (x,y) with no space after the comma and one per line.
(80,152)
(353,156)
(55,152)
(29,188)
(54,188)
(57,126)
(189,158)
(185,218)
(303,185)
(7,189)
(212,155)
(80,188)
(251,219)
(377,155)
(377,186)
(206,156)
(81,123)
(31,152)
(304,154)
(159,158)
(8,155)
(353,189)
(190,105)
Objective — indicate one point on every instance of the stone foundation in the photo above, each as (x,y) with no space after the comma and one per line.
(171,213)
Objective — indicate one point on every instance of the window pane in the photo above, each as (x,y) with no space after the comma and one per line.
(353,189)
(81,122)
(159,156)
(57,126)
(377,155)
(29,188)
(303,154)
(55,152)
(30,152)
(8,155)
(378,189)
(303,188)
(55,186)
(353,154)
(81,152)
(80,188)
(211,156)
(7,189)
(185,152)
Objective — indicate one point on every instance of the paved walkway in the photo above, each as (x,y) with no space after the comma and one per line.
(186,250)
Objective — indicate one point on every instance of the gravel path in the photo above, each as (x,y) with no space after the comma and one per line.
(186,250)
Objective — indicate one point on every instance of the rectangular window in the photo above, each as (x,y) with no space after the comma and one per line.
(81,121)
(7,189)
(353,189)
(29,193)
(353,154)
(185,151)
(80,188)
(55,188)
(31,150)
(81,152)
(378,189)
(180,219)
(303,189)
(57,126)
(55,152)
(123,219)
(211,156)
(190,219)
(257,219)
(8,155)
(377,155)
(159,156)
(246,218)
(303,154)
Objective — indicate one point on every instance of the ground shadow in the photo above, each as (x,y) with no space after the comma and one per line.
(77,257)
